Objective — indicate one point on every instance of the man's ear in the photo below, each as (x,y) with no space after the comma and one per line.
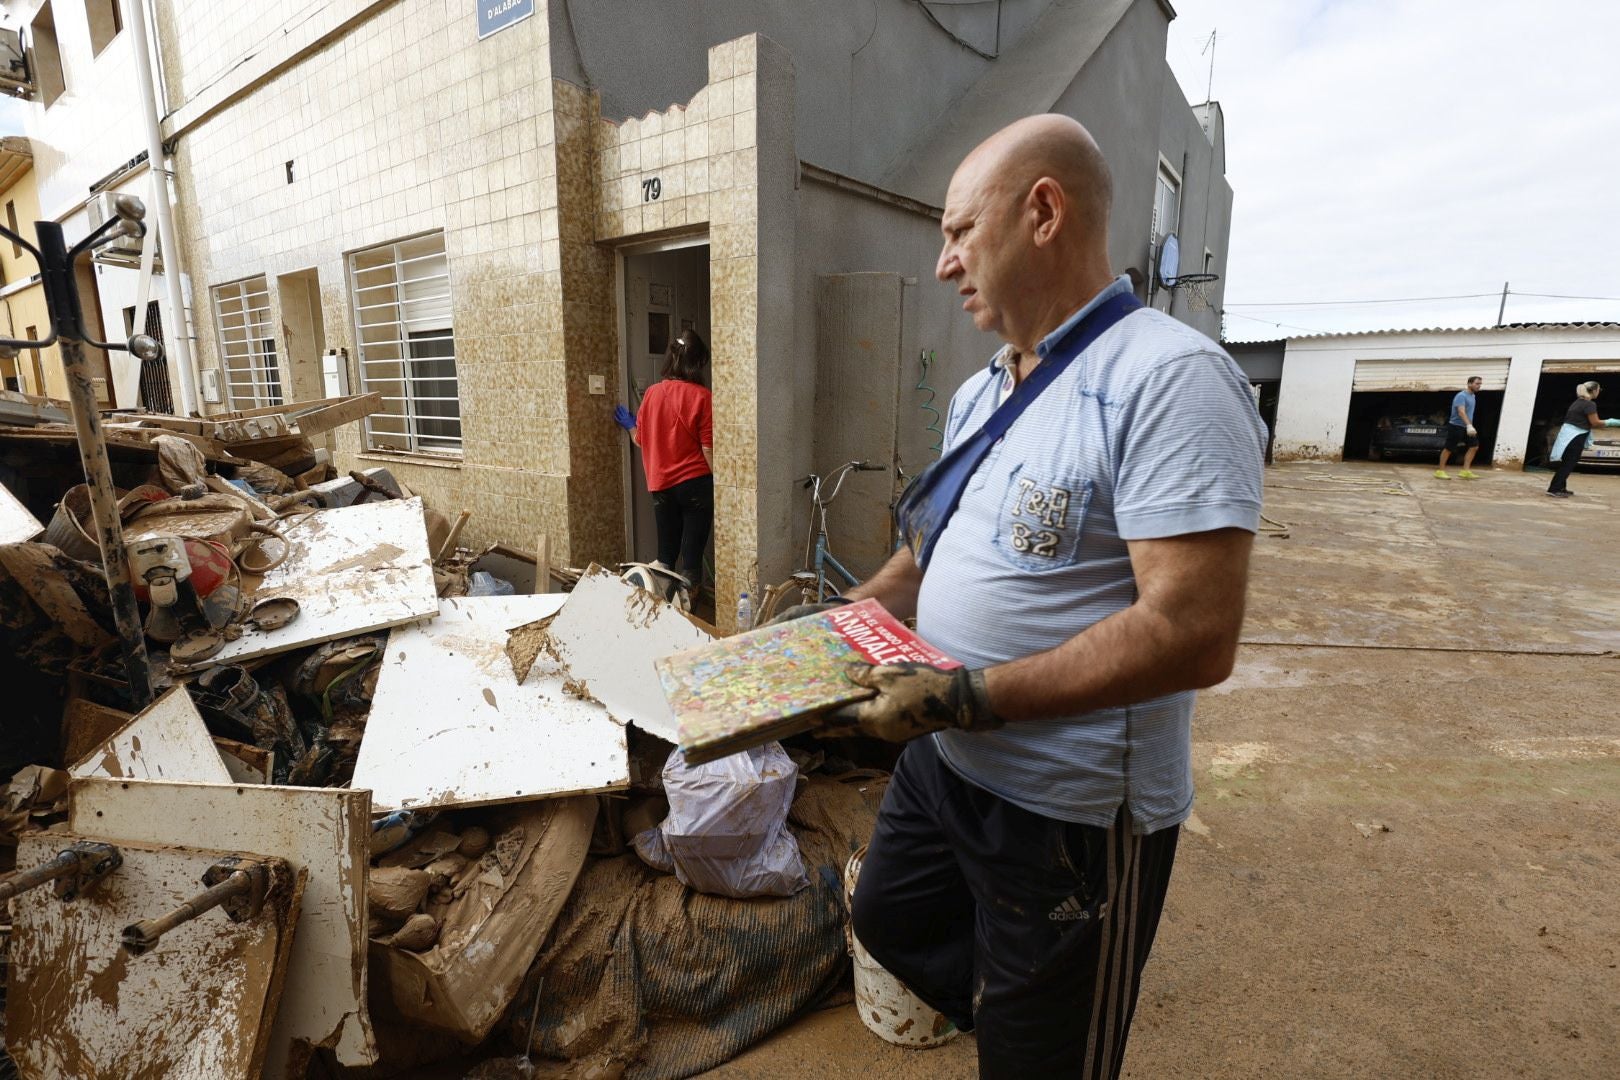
(1048,209)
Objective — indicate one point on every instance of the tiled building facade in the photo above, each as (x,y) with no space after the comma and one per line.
(386,195)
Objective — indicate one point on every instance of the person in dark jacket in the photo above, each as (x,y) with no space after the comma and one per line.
(1579,421)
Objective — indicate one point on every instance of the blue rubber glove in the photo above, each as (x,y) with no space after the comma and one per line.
(624,418)
(1613,421)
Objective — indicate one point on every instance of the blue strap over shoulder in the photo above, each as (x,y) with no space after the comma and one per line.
(929,501)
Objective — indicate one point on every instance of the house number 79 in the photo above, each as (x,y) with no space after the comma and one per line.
(651,189)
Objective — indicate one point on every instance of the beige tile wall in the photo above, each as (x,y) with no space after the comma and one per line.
(703,156)
(464,144)
(531,188)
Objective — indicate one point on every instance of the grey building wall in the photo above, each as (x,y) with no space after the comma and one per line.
(871,75)
(1261,361)
(1206,201)
(1117,95)
(844,232)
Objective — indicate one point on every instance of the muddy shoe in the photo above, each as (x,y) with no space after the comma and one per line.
(1559,494)
(1466,475)
(1441,474)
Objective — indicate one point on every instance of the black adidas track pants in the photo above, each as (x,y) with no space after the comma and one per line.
(1030,930)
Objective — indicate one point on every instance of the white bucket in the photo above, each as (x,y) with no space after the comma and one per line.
(889,1011)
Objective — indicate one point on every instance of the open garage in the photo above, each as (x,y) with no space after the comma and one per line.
(1399,407)
(1555,392)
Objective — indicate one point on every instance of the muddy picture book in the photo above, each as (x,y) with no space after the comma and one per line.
(766,684)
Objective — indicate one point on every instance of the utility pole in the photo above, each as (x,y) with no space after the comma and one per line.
(1502,307)
(68,334)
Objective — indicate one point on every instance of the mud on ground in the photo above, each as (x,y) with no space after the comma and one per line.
(1404,858)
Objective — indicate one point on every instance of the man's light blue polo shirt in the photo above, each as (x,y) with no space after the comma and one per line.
(1152,432)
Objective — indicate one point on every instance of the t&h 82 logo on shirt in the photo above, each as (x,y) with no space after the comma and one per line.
(1039,513)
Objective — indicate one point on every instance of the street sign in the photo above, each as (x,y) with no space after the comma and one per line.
(496,15)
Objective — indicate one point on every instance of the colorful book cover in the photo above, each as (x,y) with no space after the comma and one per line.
(765,684)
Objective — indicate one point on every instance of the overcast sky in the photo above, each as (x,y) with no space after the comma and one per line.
(1413,148)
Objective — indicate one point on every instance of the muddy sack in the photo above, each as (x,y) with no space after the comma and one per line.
(726,833)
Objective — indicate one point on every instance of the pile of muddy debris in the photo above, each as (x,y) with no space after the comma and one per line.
(385,788)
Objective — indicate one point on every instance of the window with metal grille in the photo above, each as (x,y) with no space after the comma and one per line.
(1166,202)
(247,348)
(406,342)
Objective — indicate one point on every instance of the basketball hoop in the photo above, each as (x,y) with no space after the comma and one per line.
(1194,287)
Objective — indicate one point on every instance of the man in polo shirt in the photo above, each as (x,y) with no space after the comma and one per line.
(1091,578)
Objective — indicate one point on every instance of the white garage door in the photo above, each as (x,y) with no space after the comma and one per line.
(1579,367)
(1428,374)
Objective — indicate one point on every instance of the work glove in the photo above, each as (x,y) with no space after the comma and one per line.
(1612,422)
(1471,431)
(802,611)
(913,699)
(624,418)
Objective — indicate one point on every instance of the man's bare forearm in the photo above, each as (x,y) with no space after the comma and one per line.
(1181,634)
(895,586)
(1126,659)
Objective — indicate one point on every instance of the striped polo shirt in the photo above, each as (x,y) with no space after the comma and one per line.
(1150,433)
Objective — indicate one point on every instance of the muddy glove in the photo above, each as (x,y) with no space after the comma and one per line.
(801,611)
(1471,431)
(912,700)
(624,418)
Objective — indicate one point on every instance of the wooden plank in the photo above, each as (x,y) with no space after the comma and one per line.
(165,741)
(17,525)
(315,415)
(352,570)
(343,411)
(30,409)
(450,726)
(321,830)
(607,636)
(199,1006)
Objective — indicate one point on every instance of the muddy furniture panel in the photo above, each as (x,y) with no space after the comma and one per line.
(321,830)
(199,1005)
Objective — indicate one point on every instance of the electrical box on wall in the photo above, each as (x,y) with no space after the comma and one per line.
(335,373)
(210,386)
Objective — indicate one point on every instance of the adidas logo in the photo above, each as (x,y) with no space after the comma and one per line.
(1068,911)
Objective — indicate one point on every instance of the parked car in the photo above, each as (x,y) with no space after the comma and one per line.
(1408,436)
(1602,449)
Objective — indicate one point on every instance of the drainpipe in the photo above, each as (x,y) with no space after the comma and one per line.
(176,343)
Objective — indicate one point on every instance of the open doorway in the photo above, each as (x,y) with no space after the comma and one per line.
(1555,393)
(664,290)
(1394,425)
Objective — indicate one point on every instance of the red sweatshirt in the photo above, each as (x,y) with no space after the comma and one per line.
(675,424)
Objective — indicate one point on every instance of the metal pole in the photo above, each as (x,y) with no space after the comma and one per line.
(62,299)
(1502,307)
(175,343)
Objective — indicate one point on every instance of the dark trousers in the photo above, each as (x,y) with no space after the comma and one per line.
(1030,930)
(1566,464)
(684,515)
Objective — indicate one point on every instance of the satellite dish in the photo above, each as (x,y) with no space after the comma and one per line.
(1169,261)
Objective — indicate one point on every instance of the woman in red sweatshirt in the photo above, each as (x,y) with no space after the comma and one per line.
(675,432)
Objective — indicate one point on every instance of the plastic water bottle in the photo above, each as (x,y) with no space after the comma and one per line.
(745,613)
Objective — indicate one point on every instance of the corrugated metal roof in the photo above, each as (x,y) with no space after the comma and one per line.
(1459,329)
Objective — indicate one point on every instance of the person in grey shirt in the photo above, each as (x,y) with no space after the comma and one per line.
(1091,577)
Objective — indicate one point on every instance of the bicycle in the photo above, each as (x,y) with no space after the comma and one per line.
(814,582)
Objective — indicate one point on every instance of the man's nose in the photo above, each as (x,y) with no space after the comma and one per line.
(948,265)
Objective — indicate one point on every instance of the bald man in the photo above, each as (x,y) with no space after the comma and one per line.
(1089,568)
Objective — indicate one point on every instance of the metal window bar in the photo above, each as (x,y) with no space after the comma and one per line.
(156,393)
(247,347)
(400,296)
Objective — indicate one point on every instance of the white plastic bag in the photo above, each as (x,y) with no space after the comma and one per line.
(726,832)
